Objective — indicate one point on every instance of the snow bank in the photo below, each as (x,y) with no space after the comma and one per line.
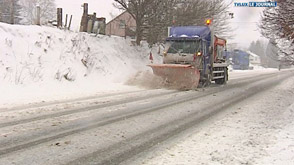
(47,63)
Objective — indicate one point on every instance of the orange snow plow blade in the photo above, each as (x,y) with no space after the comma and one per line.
(181,75)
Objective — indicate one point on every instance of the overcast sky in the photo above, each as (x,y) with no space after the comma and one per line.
(245,24)
(244,21)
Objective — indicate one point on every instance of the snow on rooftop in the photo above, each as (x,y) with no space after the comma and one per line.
(183,35)
(252,54)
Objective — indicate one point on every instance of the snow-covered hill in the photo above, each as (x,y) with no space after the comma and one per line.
(47,62)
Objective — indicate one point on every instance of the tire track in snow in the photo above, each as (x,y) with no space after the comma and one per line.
(55,103)
(133,113)
(128,148)
(85,109)
(93,107)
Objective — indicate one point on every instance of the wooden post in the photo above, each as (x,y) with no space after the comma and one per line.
(59,17)
(38,21)
(69,22)
(94,16)
(65,26)
(110,25)
(90,26)
(93,21)
(12,12)
(125,31)
(84,21)
(95,27)
(103,26)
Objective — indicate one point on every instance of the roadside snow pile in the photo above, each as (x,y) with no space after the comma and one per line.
(42,61)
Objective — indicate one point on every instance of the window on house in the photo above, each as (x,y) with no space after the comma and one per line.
(122,24)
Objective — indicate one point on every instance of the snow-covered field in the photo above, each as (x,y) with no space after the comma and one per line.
(48,64)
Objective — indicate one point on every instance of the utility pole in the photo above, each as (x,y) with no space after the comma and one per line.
(65,26)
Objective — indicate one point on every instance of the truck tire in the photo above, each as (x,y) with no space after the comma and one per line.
(223,80)
(208,80)
(205,82)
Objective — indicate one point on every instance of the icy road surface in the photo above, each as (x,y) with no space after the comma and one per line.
(247,121)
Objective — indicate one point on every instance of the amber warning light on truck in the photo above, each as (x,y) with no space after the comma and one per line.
(208,22)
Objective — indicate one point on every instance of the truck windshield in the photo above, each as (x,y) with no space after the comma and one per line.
(189,47)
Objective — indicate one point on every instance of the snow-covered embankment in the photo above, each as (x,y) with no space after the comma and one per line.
(44,63)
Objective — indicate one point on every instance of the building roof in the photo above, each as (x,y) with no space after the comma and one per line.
(252,54)
(116,17)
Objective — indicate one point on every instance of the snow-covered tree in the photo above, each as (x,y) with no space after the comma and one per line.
(29,10)
(10,11)
(257,47)
(278,25)
(266,51)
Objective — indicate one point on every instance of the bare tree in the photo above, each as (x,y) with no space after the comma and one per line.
(157,21)
(9,11)
(138,10)
(29,10)
(154,16)
(1,9)
(196,11)
(184,13)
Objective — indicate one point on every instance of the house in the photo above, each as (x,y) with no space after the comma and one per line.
(124,25)
(254,59)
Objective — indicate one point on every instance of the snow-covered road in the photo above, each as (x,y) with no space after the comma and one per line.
(257,130)
(245,121)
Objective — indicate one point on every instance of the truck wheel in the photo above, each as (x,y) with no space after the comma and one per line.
(205,82)
(223,80)
(208,80)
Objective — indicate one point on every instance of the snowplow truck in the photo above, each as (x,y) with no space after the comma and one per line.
(193,57)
